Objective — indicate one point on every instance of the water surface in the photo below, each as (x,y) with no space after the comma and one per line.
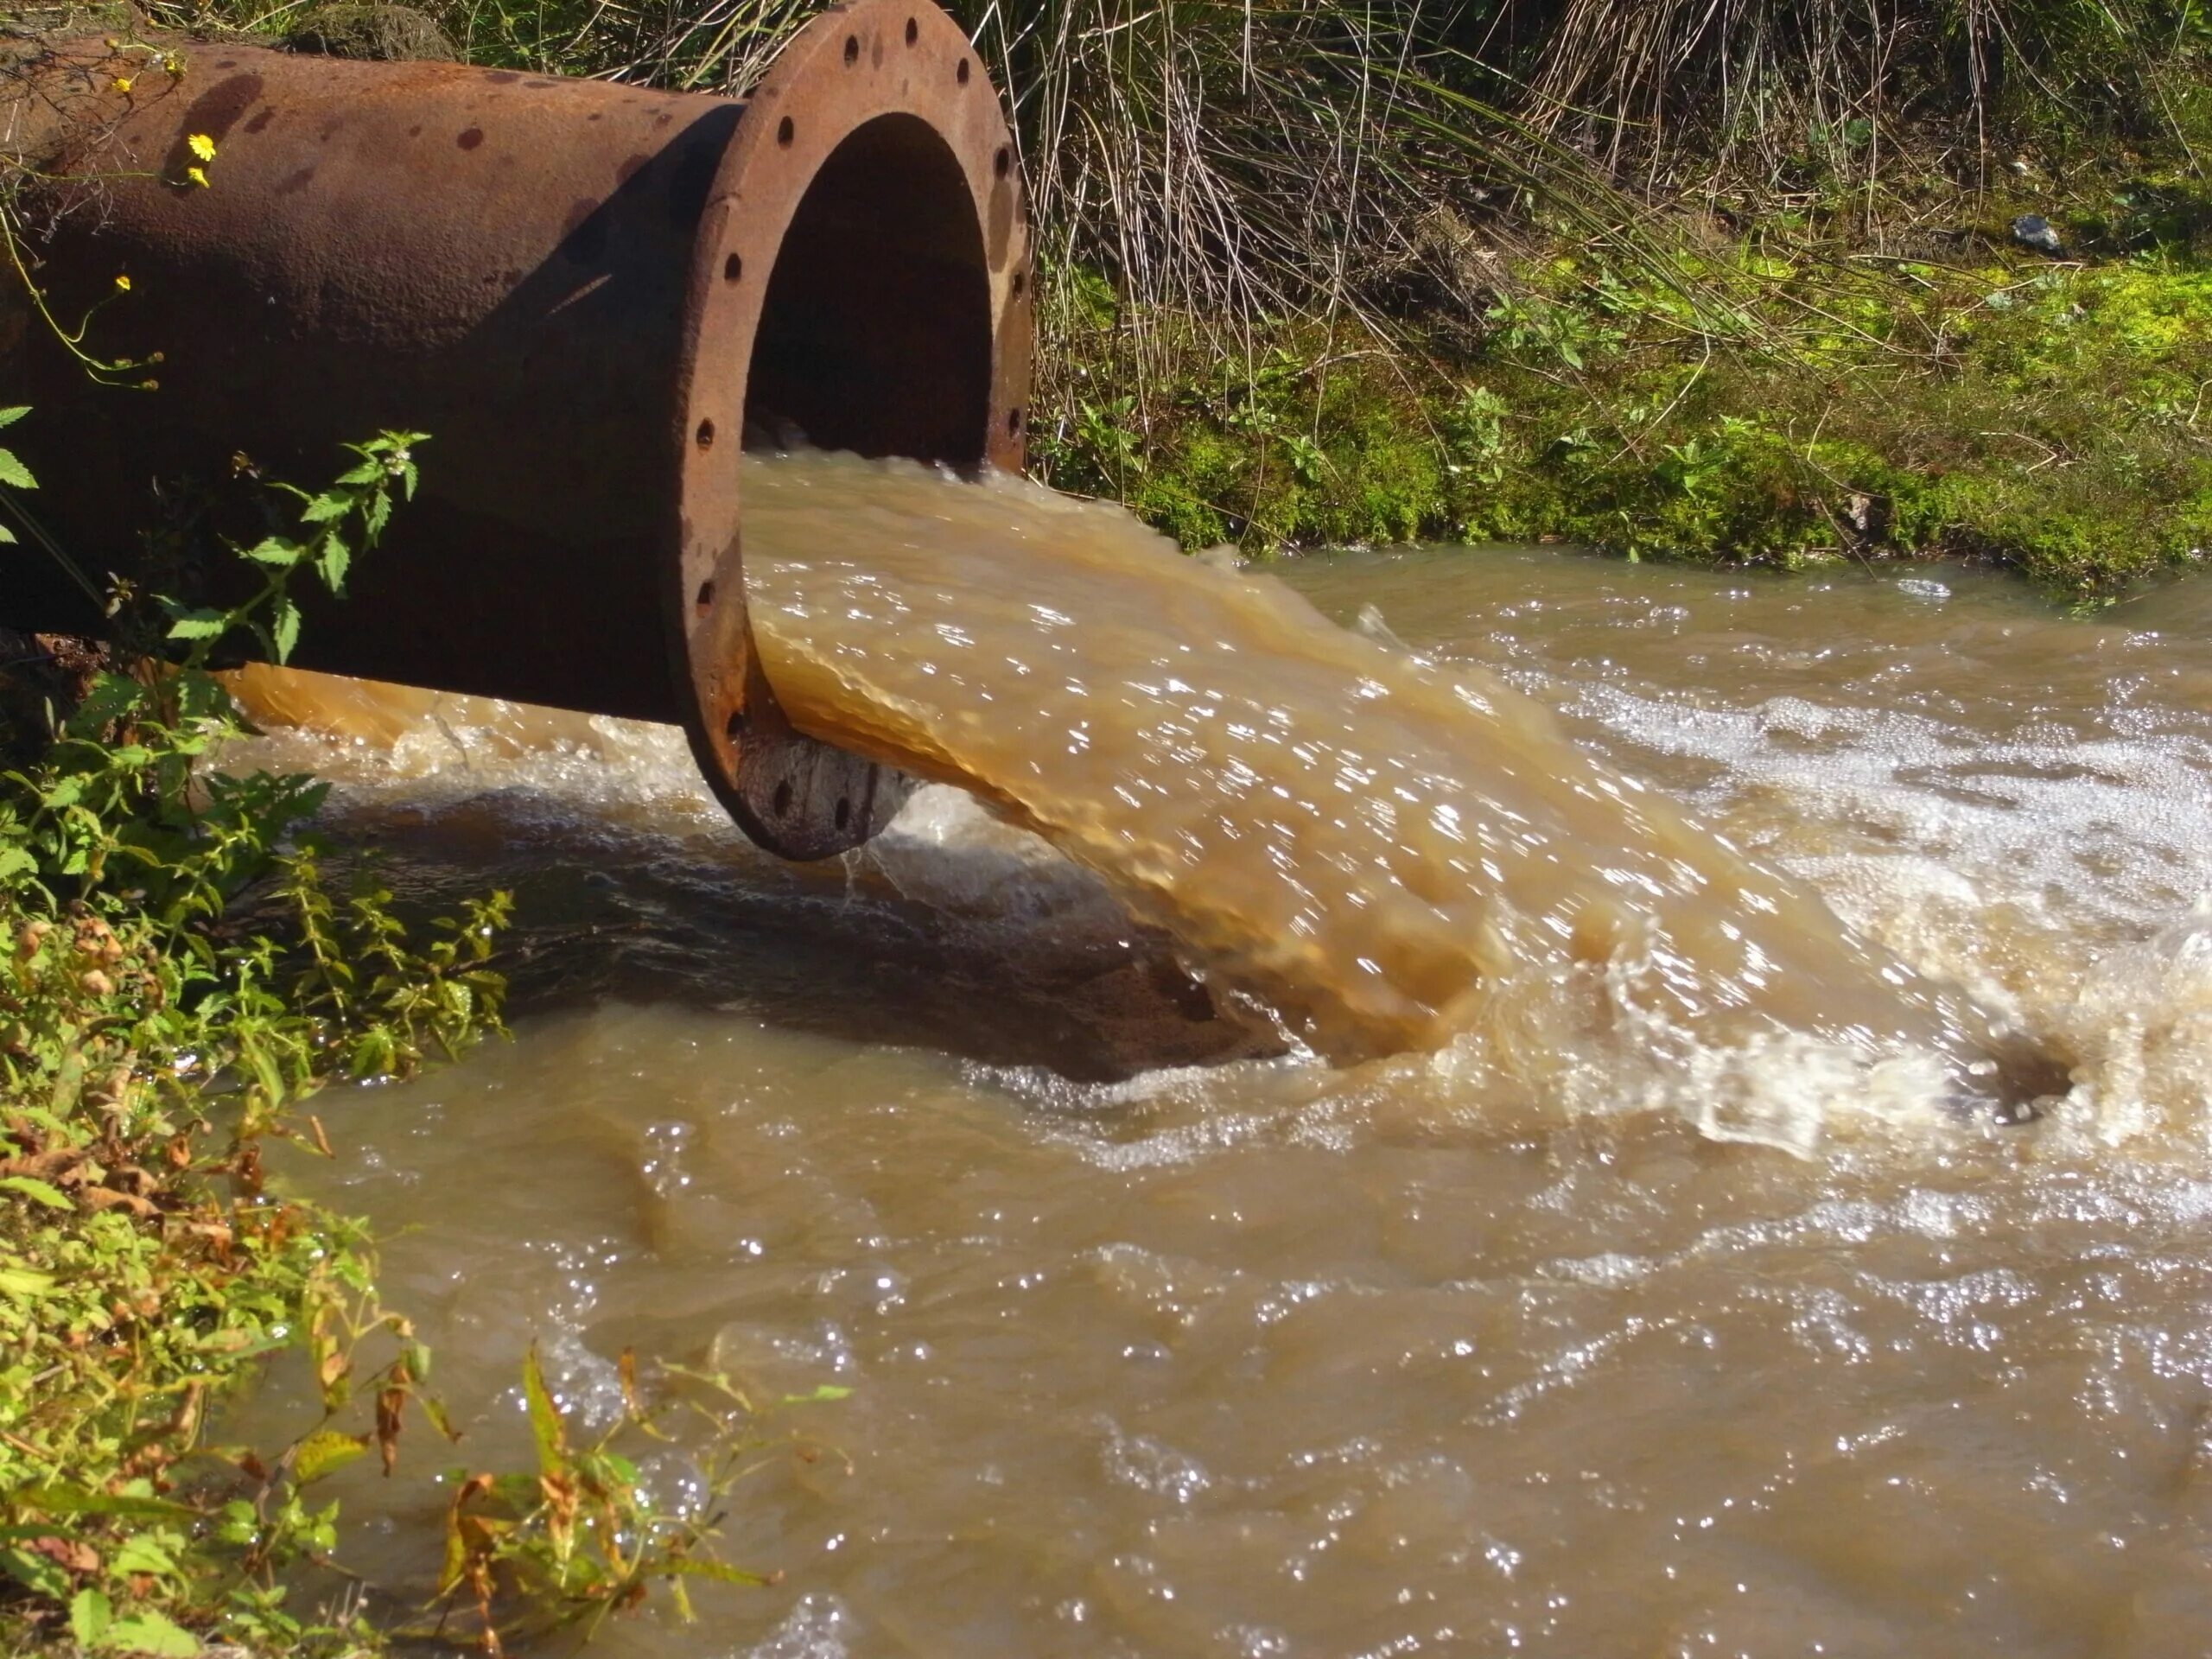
(1164,1341)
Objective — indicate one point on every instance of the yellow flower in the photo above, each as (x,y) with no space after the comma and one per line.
(174,62)
(198,175)
(201,145)
(121,83)
(123,284)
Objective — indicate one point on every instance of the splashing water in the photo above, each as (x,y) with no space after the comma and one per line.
(1383,852)
(1369,851)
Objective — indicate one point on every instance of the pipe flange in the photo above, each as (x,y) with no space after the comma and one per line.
(853,66)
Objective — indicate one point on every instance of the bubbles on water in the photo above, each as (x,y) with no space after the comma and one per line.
(817,1627)
(585,1385)
(2136,1030)
(382,742)
(1150,1465)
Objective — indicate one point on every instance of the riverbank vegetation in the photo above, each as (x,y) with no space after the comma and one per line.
(176,977)
(180,974)
(1763,282)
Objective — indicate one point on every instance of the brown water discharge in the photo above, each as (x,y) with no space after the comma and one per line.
(1386,853)
(1162,1343)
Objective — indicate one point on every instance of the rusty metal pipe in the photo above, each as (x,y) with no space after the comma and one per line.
(587,293)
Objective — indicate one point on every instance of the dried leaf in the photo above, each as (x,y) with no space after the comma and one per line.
(70,1554)
(389,1403)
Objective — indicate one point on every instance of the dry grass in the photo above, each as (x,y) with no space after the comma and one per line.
(1241,160)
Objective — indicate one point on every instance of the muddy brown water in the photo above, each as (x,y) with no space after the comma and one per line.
(1672,1303)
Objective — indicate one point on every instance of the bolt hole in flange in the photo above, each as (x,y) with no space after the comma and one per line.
(960,73)
(852,50)
(1014,421)
(913,31)
(705,601)
(783,797)
(844,813)
(785,131)
(734,727)
(705,435)
(1002,163)
(733,268)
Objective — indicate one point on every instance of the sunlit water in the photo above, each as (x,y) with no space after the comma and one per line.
(1162,1340)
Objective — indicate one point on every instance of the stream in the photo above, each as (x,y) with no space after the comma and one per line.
(1209,1279)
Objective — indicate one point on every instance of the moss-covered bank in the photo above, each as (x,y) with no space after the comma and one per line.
(2054,415)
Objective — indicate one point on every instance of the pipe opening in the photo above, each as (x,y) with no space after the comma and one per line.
(875,331)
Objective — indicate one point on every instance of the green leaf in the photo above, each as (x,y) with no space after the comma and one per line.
(546,1428)
(333,559)
(436,1414)
(278,552)
(330,505)
(90,1615)
(238,1525)
(13,472)
(71,1500)
(325,1452)
(25,1281)
(111,697)
(35,1572)
(38,1191)
(720,1571)
(142,1553)
(284,627)
(151,1632)
(14,862)
(9,417)
(200,625)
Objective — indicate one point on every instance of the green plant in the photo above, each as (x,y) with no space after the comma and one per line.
(580,1538)
(150,1046)
(147,1047)
(13,473)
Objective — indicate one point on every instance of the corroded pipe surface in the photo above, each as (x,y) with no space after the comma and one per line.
(589,294)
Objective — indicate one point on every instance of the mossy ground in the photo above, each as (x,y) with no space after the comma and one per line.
(1774,400)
